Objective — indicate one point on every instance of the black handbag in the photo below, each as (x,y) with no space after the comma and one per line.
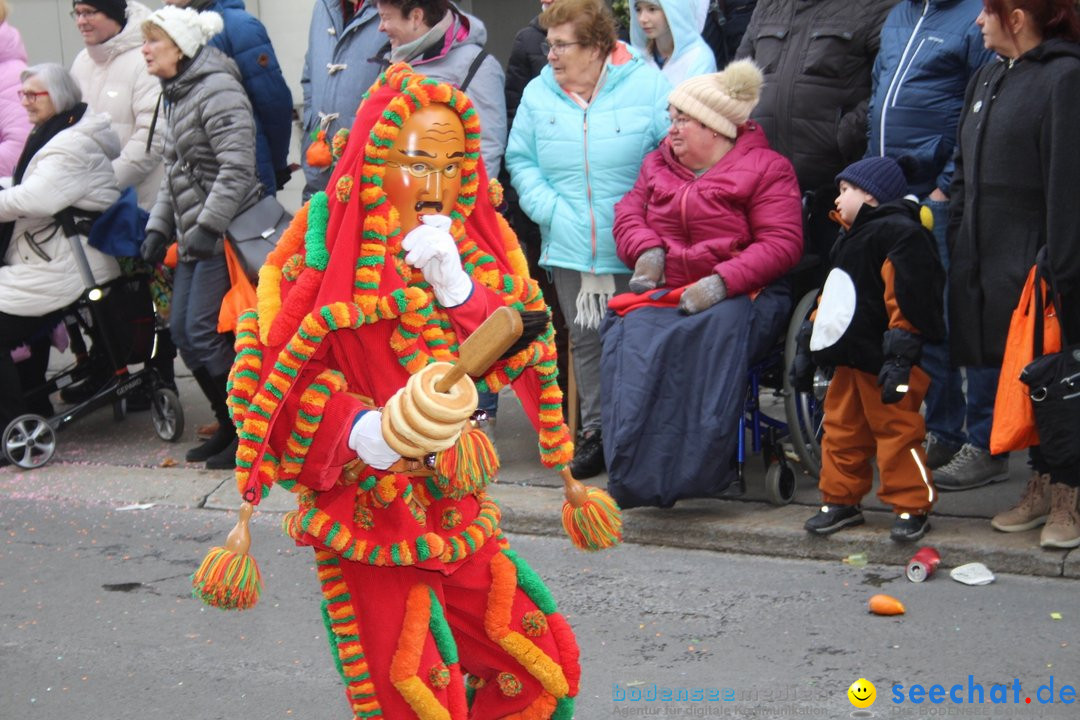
(1054,383)
(254,232)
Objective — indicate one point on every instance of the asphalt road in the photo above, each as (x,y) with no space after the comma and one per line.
(96,620)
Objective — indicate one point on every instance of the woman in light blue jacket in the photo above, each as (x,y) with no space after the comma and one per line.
(579,136)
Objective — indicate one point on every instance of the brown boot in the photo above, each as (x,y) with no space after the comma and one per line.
(1063,525)
(1032,509)
(205,432)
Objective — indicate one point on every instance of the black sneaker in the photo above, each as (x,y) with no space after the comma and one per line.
(588,456)
(909,527)
(831,518)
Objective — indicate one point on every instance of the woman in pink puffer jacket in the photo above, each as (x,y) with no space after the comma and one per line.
(714,199)
(715,217)
(14,125)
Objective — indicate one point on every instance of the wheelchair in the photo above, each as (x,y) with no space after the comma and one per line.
(119,318)
(795,439)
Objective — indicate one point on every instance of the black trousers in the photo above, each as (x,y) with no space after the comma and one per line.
(16,330)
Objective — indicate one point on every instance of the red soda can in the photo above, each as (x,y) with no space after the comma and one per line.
(923,564)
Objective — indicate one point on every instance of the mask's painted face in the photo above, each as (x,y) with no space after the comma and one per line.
(423,168)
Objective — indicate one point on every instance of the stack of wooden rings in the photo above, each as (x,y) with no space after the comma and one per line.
(421,419)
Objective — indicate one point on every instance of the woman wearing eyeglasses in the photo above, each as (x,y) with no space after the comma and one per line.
(14,127)
(210,178)
(579,136)
(66,162)
(715,217)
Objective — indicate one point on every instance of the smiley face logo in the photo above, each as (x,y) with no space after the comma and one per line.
(862,693)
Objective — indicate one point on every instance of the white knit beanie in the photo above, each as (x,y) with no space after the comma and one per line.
(721,101)
(190,30)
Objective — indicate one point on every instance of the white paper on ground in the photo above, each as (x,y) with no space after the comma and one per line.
(972,574)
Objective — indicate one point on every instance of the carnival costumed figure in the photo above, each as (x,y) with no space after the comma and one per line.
(430,614)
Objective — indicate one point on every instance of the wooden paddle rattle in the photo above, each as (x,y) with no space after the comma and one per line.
(429,413)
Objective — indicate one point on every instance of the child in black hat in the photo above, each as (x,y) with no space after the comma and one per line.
(883,297)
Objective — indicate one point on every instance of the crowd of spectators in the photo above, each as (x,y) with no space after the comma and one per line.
(629,165)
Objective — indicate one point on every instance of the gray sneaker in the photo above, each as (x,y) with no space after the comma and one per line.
(970,468)
(938,452)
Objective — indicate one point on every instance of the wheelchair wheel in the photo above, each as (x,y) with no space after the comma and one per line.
(167,414)
(779,484)
(29,441)
(804,410)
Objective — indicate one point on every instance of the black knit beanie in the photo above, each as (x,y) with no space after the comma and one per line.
(882,177)
(115,9)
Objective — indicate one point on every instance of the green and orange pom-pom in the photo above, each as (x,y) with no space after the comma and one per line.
(229,578)
(496,194)
(439,677)
(467,466)
(590,516)
(343,189)
(509,684)
(338,144)
(534,623)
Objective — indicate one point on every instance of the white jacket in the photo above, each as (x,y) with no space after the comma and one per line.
(40,274)
(114,81)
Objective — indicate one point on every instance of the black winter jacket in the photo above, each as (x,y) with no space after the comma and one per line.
(1014,190)
(526,61)
(817,56)
(853,310)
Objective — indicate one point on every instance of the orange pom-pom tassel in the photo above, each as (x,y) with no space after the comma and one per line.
(467,466)
(229,578)
(590,516)
(318,152)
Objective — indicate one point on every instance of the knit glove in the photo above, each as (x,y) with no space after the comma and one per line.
(703,294)
(154,247)
(902,350)
(431,249)
(366,440)
(648,271)
(802,366)
(201,243)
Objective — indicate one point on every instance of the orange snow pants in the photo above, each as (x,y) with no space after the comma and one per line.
(858,427)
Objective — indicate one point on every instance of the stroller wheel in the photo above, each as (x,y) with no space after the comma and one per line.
(780,483)
(29,441)
(167,414)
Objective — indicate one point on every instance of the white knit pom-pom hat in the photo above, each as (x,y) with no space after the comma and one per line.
(189,29)
(721,101)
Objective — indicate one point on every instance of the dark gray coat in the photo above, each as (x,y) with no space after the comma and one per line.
(209,140)
(1014,190)
(816,56)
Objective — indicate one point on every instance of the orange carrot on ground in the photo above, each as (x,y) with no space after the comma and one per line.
(885,605)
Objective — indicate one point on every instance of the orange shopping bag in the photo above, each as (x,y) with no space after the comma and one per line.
(240,297)
(1014,416)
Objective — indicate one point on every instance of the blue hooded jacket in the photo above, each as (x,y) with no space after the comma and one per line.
(929,51)
(245,40)
(692,56)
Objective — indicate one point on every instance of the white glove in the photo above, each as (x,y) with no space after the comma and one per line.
(366,440)
(430,248)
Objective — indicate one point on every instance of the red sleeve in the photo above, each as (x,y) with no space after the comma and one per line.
(468,316)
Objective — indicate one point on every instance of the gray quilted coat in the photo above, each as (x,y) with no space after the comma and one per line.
(209,140)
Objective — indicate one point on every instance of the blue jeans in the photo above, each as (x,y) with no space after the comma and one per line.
(945,398)
(198,288)
(489,403)
(981,390)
